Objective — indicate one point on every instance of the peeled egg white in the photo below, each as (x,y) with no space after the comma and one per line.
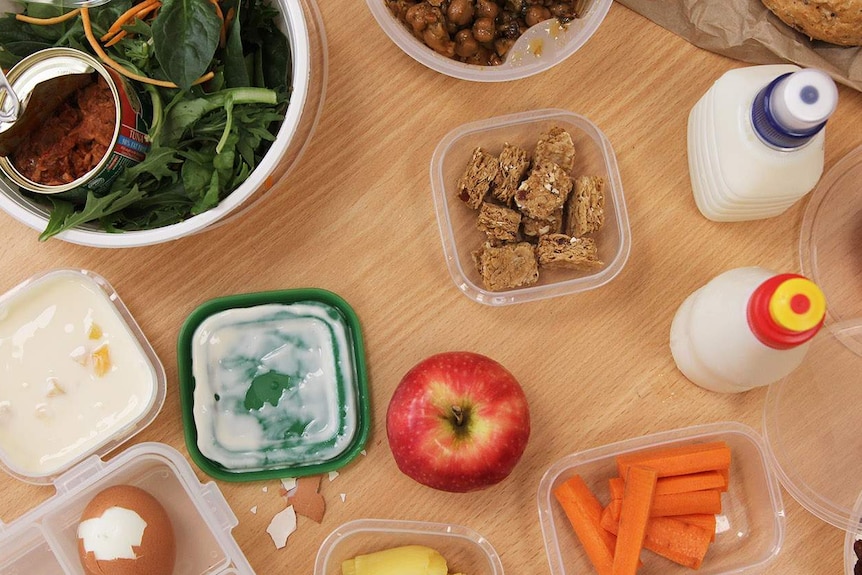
(125,531)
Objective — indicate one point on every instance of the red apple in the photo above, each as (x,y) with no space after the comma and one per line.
(458,421)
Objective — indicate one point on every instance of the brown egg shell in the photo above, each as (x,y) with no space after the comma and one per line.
(156,554)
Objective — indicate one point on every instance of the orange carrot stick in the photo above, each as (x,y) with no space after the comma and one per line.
(680,460)
(689,503)
(634,515)
(676,483)
(703,520)
(681,542)
(584,513)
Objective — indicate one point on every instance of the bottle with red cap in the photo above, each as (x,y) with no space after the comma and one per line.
(746,328)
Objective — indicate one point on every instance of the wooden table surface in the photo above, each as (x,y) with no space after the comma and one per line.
(355,216)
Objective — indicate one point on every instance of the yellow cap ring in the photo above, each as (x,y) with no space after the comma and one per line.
(797,305)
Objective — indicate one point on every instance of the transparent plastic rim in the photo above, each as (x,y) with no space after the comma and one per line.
(848,332)
(399,34)
(533,293)
(297,33)
(544,495)
(395,526)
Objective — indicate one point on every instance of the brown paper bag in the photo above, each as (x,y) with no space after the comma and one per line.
(746,30)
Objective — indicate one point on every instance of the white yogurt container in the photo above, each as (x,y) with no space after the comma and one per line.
(77,375)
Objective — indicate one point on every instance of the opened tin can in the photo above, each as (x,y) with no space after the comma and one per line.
(127,145)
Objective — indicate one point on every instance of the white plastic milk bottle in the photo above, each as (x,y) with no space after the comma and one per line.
(756,140)
(746,328)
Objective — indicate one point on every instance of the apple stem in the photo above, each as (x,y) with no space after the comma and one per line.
(459,415)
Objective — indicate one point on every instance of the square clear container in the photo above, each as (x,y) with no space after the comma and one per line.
(594,156)
(465,550)
(749,530)
(144,352)
(44,540)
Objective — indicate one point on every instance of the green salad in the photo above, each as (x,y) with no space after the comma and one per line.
(205,138)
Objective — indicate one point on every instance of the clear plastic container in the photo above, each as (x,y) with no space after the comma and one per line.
(457,223)
(43,541)
(334,436)
(303,25)
(465,550)
(139,352)
(809,424)
(829,242)
(544,45)
(749,531)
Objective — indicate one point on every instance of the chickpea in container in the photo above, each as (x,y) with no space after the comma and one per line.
(479,32)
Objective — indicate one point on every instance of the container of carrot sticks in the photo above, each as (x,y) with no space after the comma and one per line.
(701,498)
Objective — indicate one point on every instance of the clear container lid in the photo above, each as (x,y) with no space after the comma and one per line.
(810,425)
(829,244)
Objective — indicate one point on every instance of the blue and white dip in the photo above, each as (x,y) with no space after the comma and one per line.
(274,386)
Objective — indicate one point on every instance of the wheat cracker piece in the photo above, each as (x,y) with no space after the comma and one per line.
(478,178)
(563,251)
(507,266)
(585,208)
(544,191)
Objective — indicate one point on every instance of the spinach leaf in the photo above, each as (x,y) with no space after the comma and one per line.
(185,37)
(235,70)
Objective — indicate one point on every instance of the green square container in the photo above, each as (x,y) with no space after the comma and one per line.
(273,385)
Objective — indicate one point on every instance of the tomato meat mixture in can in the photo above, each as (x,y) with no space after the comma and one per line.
(88,138)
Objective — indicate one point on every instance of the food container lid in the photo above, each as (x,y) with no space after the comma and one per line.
(44,539)
(93,349)
(273,385)
(829,243)
(810,426)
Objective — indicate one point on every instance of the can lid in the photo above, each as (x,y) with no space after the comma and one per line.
(786,311)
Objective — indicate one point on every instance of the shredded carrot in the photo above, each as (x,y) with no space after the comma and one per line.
(680,460)
(110,62)
(634,515)
(47,21)
(126,17)
(116,38)
(584,513)
(222,33)
(676,483)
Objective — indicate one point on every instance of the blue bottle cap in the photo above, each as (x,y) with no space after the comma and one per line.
(793,108)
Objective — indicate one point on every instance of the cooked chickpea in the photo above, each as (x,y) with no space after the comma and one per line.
(536,14)
(487,9)
(437,38)
(460,12)
(465,44)
(483,30)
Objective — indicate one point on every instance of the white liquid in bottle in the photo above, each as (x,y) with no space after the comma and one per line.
(746,328)
(756,140)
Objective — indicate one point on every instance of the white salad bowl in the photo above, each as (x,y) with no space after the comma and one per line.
(301,22)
